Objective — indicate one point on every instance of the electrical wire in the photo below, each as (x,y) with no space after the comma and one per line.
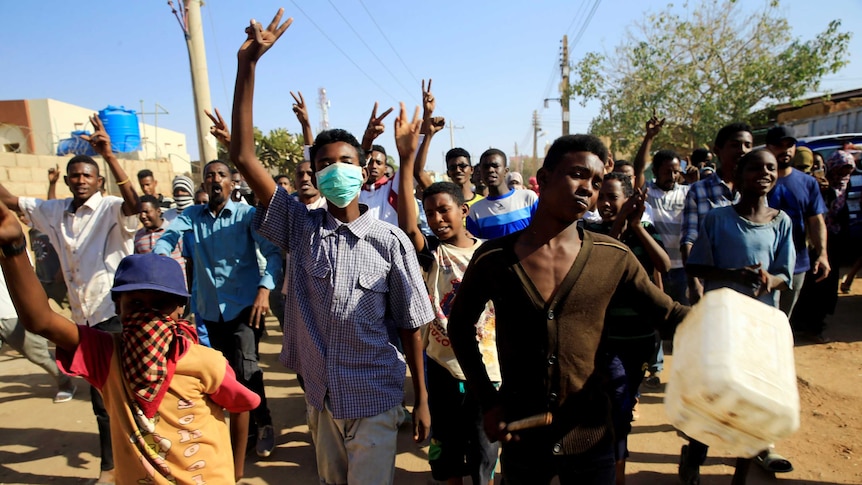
(409,93)
(584,27)
(357,66)
(227,99)
(390,43)
(577,16)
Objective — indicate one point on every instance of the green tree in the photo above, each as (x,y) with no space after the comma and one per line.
(706,66)
(279,150)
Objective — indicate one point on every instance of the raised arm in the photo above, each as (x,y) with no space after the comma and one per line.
(406,139)
(53,177)
(301,113)
(242,150)
(374,128)
(430,126)
(219,129)
(101,143)
(653,127)
(26,291)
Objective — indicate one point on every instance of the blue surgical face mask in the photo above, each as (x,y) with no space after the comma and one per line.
(340,183)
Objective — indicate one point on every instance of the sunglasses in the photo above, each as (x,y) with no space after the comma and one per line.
(462,166)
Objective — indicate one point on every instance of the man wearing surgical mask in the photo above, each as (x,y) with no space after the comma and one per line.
(355,271)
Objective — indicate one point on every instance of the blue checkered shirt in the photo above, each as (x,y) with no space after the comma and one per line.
(347,281)
(702,197)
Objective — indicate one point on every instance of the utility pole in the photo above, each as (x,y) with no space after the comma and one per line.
(520,167)
(564,85)
(192,26)
(536,129)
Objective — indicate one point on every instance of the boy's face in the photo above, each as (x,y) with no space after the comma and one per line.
(734,148)
(141,300)
(445,216)
(376,167)
(494,170)
(759,175)
(304,178)
(148,185)
(611,200)
(627,170)
(667,174)
(459,170)
(336,152)
(83,180)
(284,183)
(150,216)
(573,186)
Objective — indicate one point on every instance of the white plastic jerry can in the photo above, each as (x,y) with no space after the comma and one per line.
(733,379)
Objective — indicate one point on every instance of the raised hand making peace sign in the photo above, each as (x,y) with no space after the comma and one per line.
(259,39)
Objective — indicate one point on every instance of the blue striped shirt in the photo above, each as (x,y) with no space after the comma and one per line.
(703,196)
(494,217)
(348,282)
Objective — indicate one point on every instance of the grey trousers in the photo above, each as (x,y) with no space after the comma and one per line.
(33,347)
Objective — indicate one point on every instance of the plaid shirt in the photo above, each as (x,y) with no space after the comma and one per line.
(702,197)
(349,283)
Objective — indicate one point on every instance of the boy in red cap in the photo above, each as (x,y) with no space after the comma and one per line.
(163,391)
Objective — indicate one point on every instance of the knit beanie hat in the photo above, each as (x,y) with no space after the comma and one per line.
(186,184)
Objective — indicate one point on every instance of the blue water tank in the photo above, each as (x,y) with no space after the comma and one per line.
(75,145)
(122,126)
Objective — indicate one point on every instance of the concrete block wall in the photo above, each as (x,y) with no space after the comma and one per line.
(27,175)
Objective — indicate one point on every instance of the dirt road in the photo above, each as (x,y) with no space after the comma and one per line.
(46,443)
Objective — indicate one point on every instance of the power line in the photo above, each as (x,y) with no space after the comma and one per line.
(584,27)
(218,54)
(387,41)
(409,93)
(357,66)
(577,16)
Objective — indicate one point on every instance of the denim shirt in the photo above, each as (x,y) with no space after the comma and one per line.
(225,264)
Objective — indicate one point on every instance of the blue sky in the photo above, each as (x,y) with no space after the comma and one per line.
(492,63)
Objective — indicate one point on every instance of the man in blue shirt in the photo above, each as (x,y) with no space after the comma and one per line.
(232,297)
(504,210)
(798,195)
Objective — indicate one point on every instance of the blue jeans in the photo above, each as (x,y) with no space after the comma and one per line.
(675,285)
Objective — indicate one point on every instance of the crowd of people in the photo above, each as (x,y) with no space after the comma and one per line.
(529,315)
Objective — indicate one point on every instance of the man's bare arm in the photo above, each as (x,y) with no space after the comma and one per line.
(27,293)
(430,126)
(101,143)
(817,232)
(53,177)
(653,127)
(242,150)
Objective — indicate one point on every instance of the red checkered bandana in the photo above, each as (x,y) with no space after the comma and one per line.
(150,351)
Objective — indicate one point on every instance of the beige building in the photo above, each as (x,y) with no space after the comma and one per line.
(36,126)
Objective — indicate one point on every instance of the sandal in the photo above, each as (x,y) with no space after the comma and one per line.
(772,462)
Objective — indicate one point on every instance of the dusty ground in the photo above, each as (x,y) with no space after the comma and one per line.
(42,442)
